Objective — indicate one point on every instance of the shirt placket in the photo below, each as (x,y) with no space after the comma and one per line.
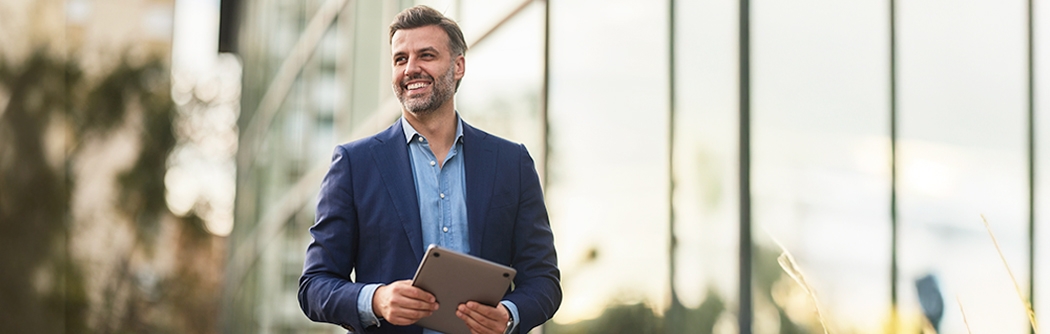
(435,173)
(446,208)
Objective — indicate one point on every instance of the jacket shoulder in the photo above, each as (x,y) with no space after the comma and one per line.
(490,139)
(391,133)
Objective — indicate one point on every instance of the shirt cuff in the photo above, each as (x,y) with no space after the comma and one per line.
(364,305)
(513,309)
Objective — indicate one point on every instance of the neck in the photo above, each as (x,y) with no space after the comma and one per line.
(437,126)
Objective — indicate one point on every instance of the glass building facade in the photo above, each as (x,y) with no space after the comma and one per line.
(877,135)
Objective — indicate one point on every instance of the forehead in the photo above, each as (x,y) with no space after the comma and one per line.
(407,40)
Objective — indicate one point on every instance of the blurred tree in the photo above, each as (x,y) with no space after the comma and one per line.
(34,200)
(633,318)
(49,112)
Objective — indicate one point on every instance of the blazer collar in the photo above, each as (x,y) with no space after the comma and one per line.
(392,161)
(410,131)
(479,159)
(480,154)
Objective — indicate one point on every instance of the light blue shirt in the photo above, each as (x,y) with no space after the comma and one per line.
(442,193)
(441,189)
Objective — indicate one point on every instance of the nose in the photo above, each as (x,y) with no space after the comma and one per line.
(411,67)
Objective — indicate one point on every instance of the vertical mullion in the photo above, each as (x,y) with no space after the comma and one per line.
(745,317)
(676,308)
(545,91)
(1031,158)
(893,164)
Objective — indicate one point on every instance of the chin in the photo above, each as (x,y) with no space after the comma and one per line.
(420,110)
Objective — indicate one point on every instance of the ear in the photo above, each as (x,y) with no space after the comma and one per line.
(460,63)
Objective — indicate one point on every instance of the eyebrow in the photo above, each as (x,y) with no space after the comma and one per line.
(429,48)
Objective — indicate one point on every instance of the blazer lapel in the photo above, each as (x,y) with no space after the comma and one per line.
(392,161)
(479,159)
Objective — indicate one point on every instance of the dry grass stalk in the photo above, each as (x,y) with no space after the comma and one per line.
(787,262)
(1027,305)
(927,327)
(967,323)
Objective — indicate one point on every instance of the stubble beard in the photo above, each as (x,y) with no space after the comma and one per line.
(442,90)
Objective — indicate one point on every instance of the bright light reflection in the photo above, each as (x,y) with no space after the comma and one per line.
(206,88)
(929,169)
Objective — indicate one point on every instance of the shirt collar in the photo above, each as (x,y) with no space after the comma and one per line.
(410,132)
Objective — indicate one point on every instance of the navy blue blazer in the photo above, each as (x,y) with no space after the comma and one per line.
(368,222)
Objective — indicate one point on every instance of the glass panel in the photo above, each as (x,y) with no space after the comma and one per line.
(477,16)
(963,154)
(1042,154)
(608,178)
(820,163)
(501,91)
(706,193)
(300,138)
(370,86)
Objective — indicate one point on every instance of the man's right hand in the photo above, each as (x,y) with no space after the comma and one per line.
(402,304)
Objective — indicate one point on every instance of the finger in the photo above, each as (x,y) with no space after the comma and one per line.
(489,312)
(405,316)
(405,288)
(477,321)
(407,296)
(473,325)
(413,305)
(399,309)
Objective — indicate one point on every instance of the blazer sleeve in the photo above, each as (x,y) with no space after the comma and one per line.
(326,293)
(537,292)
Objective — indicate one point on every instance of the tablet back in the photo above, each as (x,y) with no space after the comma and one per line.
(455,278)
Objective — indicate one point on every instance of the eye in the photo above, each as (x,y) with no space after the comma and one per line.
(400,60)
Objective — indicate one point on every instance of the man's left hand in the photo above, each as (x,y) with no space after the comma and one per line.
(484,319)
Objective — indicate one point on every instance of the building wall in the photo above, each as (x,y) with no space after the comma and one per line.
(631,111)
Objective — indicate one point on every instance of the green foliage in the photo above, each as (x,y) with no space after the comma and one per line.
(33,196)
(49,102)
(640,318)
(633,318)
(142,186)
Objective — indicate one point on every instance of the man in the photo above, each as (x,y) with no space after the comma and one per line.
(430,178)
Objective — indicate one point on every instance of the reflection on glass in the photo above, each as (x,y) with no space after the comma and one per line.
(962,154)
(477,16)
(1042,172)
(501,92)
(820,171)
(706,223)
(608,179)
(820,154)
(341,83)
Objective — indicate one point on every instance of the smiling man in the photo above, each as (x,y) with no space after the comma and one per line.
(429,178)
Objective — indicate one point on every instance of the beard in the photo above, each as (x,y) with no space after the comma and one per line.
(442,90)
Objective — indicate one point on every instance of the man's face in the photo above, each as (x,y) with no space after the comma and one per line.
(425,71)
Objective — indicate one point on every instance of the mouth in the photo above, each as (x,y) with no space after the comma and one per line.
(416,87)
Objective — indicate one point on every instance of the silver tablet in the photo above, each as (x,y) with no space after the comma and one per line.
(455,278)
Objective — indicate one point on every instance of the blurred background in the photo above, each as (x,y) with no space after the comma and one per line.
(160,159)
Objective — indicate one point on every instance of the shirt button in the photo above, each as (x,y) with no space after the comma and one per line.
(442,195)
(433,163)
(445,229)
(420,139)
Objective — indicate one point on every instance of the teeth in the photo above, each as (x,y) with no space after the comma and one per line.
(417,85)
